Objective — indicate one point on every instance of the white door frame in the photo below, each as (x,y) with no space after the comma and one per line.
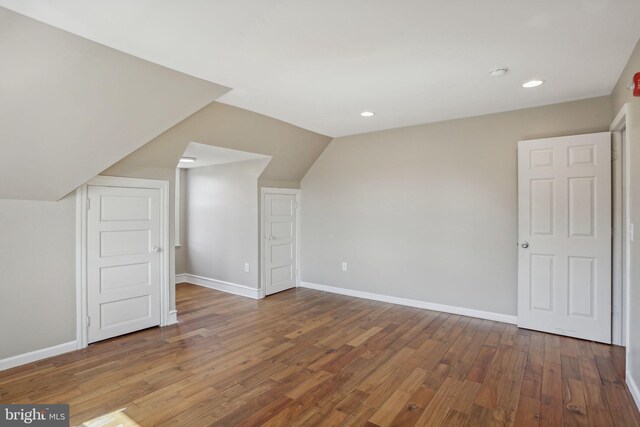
(263,238)
(81,246)
(620,265)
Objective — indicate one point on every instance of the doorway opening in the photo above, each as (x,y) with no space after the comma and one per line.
(217,219)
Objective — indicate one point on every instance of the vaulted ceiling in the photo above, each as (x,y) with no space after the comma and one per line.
(318,64)
(108,77)
(70,107)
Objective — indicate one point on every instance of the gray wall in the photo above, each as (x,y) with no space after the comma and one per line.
(37,285)
(222,217)
(429,212)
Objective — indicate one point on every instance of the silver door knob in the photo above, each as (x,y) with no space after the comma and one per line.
(524,245)
(155,249)
(271,237)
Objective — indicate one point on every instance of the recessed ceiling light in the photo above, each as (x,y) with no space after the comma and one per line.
(187,160)
(499,72)
(532,83)
(367,114)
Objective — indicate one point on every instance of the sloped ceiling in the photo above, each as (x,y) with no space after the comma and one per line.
(318,64)
(293,149)
(70,107)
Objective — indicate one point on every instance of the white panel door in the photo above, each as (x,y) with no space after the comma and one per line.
(280,234)
(564,205)
(123,260)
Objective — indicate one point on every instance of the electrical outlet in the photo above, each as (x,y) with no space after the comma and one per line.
(246,267)
(345,267)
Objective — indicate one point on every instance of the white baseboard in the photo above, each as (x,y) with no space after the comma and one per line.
(33,356)
(220,285)
(498,317)
(173,318)
(633,388)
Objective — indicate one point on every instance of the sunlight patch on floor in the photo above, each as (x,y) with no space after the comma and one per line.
(113,419)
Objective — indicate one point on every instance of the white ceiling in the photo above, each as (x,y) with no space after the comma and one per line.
(208,155)
(318,64)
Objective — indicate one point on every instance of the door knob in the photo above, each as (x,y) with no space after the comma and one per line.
(524,245)
(271,237)
(155,249)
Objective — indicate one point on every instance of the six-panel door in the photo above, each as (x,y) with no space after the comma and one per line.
(564,204)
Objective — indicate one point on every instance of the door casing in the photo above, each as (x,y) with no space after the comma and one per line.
(263,238)
(620,260)
(166,316)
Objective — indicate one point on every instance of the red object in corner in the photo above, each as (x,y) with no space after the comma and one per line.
(636,85)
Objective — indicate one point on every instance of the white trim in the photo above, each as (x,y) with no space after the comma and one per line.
(33,356)
(81,247)
(621,323)
(273,190)
(173,317)
(81,266)
(620,122)
(617,220)
(497,317)
(220,285)
(177,202)
(633,389)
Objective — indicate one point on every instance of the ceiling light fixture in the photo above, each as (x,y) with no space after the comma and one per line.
(187,160)
(367,114)
(499,72)
(532,83)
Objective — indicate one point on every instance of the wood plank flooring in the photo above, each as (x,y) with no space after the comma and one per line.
(309,358)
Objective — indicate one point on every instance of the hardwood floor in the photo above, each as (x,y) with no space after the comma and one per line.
(304,357)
